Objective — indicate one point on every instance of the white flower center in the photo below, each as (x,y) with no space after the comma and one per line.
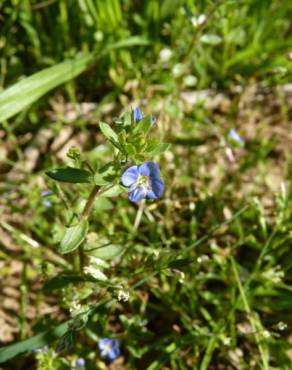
(144,181)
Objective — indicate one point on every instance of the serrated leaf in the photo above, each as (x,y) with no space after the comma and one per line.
(73,237)
(20,95)
(70,174)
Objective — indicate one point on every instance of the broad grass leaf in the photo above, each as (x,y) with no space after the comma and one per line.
(37,341)
(25,92)
(61,281)
(129,42)
(70,174)
(73,237)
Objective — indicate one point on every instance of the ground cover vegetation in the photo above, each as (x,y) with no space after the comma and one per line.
(145,184)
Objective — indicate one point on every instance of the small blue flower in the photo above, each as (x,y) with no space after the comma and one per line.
(143,181)
(47,204)
(41,349)
(46,193)
(80,362)
(109,348)
(235,136)
(138,116)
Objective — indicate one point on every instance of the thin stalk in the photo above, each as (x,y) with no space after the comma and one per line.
(90,201)
(263,354)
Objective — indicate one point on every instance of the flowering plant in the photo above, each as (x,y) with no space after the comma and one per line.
(130,169)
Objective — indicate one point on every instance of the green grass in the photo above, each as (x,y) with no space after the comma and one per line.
(208,266)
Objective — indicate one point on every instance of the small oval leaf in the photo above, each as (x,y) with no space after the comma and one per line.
(108,132)
(144,125)
(159,149)
(73,237)
(106,252)
(112,191)
(70,174)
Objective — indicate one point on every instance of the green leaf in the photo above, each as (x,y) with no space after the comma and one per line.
(108,132)
(211,39)
(130,149)
(61,281)
(102,205)
(20,95)
(37,341)
(112,191)
(100,180)
(144,125)
(126,119)
(106,252)
(73,237)
(129,42)
(70,174)
(160,148)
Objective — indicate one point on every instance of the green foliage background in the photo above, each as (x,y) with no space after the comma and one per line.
(208,267)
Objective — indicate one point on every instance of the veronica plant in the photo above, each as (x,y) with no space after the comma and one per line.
(129,170)
(132,170)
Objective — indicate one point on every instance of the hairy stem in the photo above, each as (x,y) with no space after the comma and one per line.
(89,204)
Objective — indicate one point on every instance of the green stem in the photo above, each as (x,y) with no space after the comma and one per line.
(89,204)
(253,322)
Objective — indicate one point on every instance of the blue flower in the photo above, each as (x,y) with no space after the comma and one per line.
(80,362)
(234,136)
(47,204)
(138,116)
(109,348)
(143,181)
(46,193)
(41,349)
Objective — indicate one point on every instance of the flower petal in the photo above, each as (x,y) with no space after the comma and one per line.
(154,170)
(157,189)
(144,169)
(153,118)
(114,353)
(130,176)
(104,343)
(138,193)
(137,114)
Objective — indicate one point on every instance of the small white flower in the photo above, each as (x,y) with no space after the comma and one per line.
(282,326)
(227,341)
(197,21)
(266,334)
(123,296)
(95,273)
(97,261)
(203,258)
(165,54)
